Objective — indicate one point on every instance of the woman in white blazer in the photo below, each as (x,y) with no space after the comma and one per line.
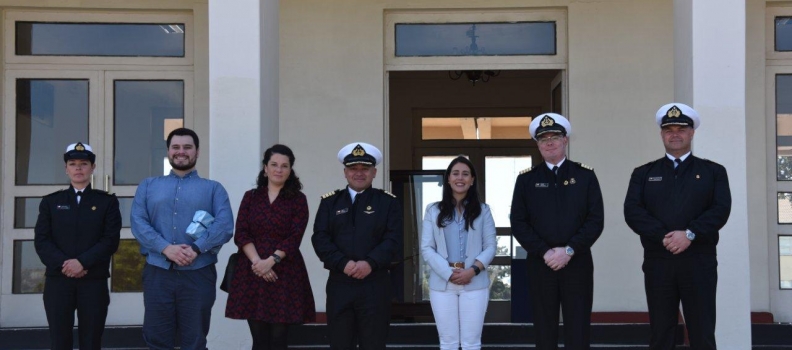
(458,243)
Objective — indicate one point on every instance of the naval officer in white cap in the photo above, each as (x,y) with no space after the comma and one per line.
(677,204)
(357,234)
(557,215)
(76,235)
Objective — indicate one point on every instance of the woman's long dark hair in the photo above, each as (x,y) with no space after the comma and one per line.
(293,184)
(448,204)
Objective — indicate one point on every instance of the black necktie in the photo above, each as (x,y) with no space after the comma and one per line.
(555,170)
(79,195)
(677,163)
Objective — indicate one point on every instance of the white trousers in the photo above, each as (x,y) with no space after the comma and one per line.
(459,315)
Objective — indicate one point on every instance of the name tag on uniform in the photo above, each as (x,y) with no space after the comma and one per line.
(342,211)
(656,178)
(542,184)
(62,207)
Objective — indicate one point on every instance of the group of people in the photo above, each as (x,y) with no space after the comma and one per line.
(677,204)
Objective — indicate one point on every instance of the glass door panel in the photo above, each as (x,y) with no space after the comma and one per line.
(416,190)
(50,114)
(142,108)
(501,173)
(43,112)
(145,112)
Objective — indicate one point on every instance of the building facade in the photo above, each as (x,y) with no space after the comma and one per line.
(317,74)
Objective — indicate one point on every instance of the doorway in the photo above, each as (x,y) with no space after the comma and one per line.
(434,118)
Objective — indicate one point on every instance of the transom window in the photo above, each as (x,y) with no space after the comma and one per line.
(475,39)
(100,39)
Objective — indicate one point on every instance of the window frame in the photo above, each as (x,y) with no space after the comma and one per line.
(557,61)
(774,185)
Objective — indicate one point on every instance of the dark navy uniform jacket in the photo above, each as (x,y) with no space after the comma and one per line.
(370,230)
(697,198)
(89,232)
(551,210)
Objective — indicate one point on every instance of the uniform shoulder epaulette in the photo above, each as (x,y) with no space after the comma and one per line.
(330,194)
(584,166)
(56,192)
(649,164)
(712,162)
(525,170)
(388,193)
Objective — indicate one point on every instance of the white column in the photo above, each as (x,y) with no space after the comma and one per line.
(270,72)
(710,76)
(243,107)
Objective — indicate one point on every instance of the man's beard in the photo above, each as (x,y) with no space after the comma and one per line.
(190,164)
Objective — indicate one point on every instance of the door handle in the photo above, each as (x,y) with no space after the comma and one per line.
(107,183)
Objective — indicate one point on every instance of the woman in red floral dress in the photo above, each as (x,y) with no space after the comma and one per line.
(270,288)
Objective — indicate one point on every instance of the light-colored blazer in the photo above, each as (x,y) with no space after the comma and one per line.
(480,246)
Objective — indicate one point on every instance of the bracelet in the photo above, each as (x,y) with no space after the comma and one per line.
(476,269)
(277,258)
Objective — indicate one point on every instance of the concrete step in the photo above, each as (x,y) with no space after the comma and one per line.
(419,336)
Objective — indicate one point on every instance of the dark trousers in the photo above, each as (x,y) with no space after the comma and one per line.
(358,310)
(692,279)
(90,297)
(572,289)
(180,299)
(269,336)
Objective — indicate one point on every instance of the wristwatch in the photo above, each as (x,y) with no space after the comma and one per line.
(690,235)
(476,269)
(277,258)
(570,251)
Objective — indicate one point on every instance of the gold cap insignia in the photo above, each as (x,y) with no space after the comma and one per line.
(674,112)
(358,151)
(79,147)
(547,121)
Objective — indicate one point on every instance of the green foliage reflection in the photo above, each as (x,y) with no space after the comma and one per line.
(128,267)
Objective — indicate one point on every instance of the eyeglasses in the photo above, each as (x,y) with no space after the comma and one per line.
(550,139)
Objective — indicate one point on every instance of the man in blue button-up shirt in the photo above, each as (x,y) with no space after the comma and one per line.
(179,277)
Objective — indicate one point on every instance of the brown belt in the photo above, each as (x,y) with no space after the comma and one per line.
(457,265)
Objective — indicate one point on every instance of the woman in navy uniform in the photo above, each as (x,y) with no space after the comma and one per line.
(77,232)
(677,204)
(557,214)
(357,234)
